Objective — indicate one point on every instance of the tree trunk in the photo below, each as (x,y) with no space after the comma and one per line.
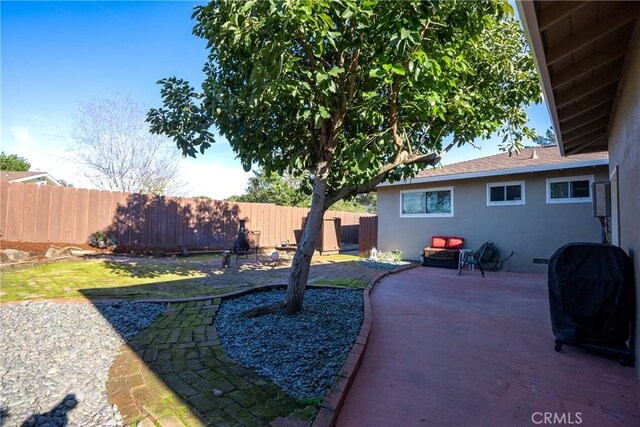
(299,272)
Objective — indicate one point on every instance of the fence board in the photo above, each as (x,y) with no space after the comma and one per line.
(68,215)
(82,218)
(15,215)
(30,205)
(42,213)
(94,208)
(55,215)
(4,198)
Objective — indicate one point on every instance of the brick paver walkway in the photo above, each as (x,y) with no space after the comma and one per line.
(168,374)
(252,273)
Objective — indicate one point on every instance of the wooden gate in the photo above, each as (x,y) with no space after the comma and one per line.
(368,235)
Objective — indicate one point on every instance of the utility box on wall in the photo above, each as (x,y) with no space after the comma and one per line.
(601,192)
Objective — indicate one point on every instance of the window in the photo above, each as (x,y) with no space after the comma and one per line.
(430,202)
(505,193)
(575,189)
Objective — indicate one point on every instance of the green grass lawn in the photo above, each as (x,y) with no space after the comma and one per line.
(146,277)
(133,278)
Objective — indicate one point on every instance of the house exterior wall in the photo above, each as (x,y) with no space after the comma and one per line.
(533,230)
(624,155)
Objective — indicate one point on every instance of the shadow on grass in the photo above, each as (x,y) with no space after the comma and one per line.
(152,268)
(168,289)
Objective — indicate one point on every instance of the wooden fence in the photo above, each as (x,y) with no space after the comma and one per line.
(368,238)
(32,213)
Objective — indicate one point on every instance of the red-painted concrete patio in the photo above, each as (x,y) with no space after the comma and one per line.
(465,351)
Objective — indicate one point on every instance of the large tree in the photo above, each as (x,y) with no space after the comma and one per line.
(112,141)
(13,163)
(353,92)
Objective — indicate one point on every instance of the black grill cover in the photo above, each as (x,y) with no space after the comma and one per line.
(591,295)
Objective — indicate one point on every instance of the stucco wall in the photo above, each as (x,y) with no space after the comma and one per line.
(533,230)
(624,152)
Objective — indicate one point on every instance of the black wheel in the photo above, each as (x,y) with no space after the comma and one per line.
(558,346)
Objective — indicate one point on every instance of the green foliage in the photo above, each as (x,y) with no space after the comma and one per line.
(397,255)
(13,163)
(366,202)
(356,92)
(288,190)
(263,187)
(547,140)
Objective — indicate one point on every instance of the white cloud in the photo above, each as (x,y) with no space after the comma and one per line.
(213,180)
(22,136)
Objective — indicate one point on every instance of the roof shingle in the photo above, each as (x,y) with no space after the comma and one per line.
(537,156)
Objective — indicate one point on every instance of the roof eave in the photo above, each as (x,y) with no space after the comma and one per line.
(529,20)
(45,175)
(513,171)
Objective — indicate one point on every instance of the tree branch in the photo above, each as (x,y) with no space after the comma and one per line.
(351,73)
(429,159)
(393,112)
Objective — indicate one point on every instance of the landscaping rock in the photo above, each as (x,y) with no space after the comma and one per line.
(382,265)
(301,354)
(80,252)
(56,357)
(52,253)
(14,255)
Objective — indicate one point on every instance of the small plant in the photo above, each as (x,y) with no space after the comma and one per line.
(100,240)
(397,255)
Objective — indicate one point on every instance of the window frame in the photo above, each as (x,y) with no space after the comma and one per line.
(491,185)
(428,215)
(569,199)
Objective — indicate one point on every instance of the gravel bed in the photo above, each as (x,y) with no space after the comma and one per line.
(382,265)
(56,358)
(301,354)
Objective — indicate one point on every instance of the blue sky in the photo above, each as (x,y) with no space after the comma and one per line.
(57,54)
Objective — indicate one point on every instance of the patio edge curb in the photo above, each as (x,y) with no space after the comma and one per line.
(332,403)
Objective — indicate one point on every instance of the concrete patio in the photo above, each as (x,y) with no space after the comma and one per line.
(465,351)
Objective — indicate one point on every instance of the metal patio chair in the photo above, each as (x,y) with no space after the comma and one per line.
(474,259)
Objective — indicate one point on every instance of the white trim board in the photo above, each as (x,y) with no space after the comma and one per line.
(31,177)
(502,172)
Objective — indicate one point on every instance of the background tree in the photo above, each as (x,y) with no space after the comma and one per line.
(353,92)
(288,190)
(65,183)
(113,143)
(547,140)
(13,163)
(273,188)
